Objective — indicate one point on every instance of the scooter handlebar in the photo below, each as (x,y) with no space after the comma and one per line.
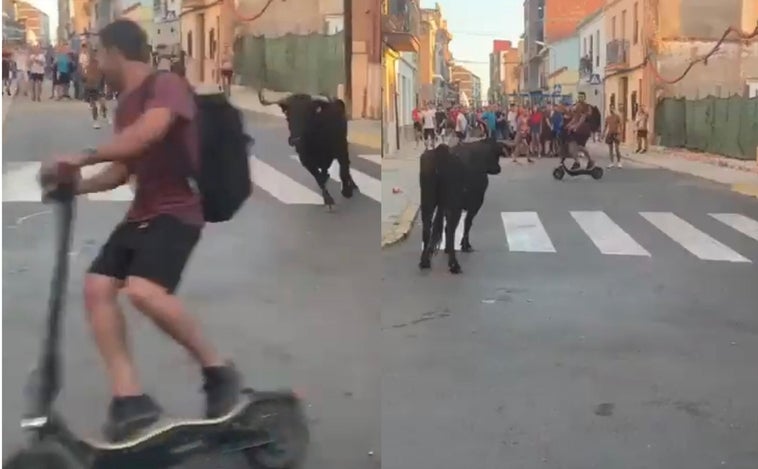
(58,183)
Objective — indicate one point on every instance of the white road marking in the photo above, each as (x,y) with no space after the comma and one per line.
(607,235)
(120,194)
(20,182)
(458,236)
(368,186)
(525,233)
(281,186)
(690,238)
(739,222)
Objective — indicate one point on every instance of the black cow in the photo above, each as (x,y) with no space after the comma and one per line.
(318,132)
(454,179)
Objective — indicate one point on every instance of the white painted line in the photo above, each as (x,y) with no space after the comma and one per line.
(20,182)
(690,238)
(739,222)
(458,235)
(281,186)
(120,194)
(367,185)
(607,235)
(525,233)
(376,159)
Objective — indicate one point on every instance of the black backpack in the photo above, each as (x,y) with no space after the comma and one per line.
(223,178)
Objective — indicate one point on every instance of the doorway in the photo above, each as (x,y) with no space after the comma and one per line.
(624,104)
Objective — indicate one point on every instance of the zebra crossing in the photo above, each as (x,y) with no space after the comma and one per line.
(525,232)
(20,182)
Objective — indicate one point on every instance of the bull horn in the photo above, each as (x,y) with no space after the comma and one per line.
(318,97)
(266,102)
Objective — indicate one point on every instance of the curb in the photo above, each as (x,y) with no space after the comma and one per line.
(402,227)
(366,139)
(746,189)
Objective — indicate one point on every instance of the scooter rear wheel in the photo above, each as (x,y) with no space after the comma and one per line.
(284,423)
(558,173)
(597,172)
(45,454)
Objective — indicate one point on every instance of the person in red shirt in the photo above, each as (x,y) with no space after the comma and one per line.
(535,130)
(156,138)
(417,127)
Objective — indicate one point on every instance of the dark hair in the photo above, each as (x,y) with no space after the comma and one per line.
(128,38)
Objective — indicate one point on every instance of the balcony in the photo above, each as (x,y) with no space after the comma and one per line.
(585,67)
(401,25)
(617,53)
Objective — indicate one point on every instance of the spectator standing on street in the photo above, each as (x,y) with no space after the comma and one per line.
(428,126)
(7,65)
(641,126)
(461,124)
(227,70)
(94,90)
(613,136)
(37,64)
(21,58)
(535,130)
(63,67)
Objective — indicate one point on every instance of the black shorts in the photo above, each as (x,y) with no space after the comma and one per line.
(155,250)
(93,94)
(36,76)
(63,79)
(429,133)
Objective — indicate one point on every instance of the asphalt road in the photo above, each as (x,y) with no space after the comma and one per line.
(286,289)
(551,352)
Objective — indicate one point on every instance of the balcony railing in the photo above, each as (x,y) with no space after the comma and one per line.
(401,25)
(617,53)
(585,67)
(403,17)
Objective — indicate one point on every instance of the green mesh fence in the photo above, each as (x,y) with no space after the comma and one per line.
(724,126)
(312,64)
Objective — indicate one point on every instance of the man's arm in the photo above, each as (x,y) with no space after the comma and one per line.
(151,127)
(171,100)
(111,177)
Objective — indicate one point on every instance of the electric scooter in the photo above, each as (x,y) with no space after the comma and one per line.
(576,169)
(268,428)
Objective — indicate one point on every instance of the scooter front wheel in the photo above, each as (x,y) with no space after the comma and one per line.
(45,454)
(283,423)
(558,173)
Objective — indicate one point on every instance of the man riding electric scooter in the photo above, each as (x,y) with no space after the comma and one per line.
(156,137)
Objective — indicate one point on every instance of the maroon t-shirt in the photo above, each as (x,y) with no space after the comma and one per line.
(162,172)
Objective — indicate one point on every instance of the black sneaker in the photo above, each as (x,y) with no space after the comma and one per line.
(222,390)
(128,416)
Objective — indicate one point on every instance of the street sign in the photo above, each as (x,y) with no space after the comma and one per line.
(595,79)
(557,89)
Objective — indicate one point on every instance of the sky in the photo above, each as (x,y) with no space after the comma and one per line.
(473,29)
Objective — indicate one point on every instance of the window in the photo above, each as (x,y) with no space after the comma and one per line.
(592,49)
(623,25)
(584,46)
(634,104)
(212,43)
(613,28)
(636,25)
(189,44)
(597,41)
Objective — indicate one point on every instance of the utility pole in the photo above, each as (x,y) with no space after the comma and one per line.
(348,20)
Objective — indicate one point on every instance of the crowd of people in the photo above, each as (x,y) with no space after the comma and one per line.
(536,131)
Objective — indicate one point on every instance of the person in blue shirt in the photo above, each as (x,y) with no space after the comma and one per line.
(556,126)
(489,118)
(64,67)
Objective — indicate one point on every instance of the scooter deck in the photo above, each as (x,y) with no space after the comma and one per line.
(167,425)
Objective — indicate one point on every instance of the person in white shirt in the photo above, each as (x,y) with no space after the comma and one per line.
(22,66)
(513,121)
(461,124)
(427,118)
(37,62)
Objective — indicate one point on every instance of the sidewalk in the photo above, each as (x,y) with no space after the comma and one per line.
(7,103)
(400,192)
(740,175)
(364,132)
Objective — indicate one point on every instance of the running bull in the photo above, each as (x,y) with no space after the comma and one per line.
(318,132)
(454,179)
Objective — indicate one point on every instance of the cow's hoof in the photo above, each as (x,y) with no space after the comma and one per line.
(347,191)
(455,268)
(467,248)
(447,251)
(425,264)
(329,201)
